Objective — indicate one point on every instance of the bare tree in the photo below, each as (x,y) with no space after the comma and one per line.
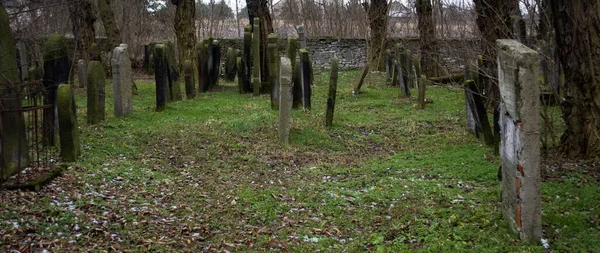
(377,11)
(429,47)
(259,9)
(185,29)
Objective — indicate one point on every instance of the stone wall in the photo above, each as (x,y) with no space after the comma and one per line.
(454,55)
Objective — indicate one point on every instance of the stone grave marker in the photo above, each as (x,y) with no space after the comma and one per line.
(95,92)
(122,81)
(333,78)
(256,57)
(518,72)
(285,100)
(160,77)
(57,66)
(305,77)
(70,148)
(190,84)
(479,112)
(274,58)
(81,68)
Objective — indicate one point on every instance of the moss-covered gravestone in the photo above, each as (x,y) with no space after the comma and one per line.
(81,73)
(333,77)
(215,63)
(230,64)
(285,100)
(95,92)
(241,75)
(172,72)
(202,62)
(148,58)
(13,142)
(57,66)
(273,46)
(190,87)
(122,81)
(70,148)
(160,77)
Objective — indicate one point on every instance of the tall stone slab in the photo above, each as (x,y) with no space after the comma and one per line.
(306,79)
(273,53)
(161,77)
(230,64)
(70,148)
(247,56)
(518,72)
(95,93)
(215,63)
(285,100)
(13,143)
(81,73)
(256,57)
(172,72)
(190,84)
(241,74)
(122,82)
(202,61)
(301,36)
(333,78)
(57,67)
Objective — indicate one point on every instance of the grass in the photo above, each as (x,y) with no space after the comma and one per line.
(209,175)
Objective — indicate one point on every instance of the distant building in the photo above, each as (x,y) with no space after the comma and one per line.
(397,10)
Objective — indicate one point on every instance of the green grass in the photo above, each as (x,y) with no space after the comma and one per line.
(209,175)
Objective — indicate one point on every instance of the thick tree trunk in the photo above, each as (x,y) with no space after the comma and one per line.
(110,26)
(494,22)
(577,26)
(429,47)
(83,17)
(259,8)
(185,30)
(377,12)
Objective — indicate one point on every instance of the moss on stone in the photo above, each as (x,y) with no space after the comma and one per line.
(70,148)
(95,92)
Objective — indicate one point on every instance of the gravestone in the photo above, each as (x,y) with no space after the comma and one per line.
(285,100)
(190,84)
(422,85)
(479,112)
(518,72)
(148,58)
(388,66)
(247,56)
(161,77)
(81,73)
(241,75)
(70,148)
(273,47)
(256,57)
(95,92)
(306,79)
(297,84)
(202,57)
(122,82)
(471,123)
(57,66)
(360,82)
(301,36)
(230,64)
(23,62)
(172,72)
(13,143)
(333,77)
(215,63)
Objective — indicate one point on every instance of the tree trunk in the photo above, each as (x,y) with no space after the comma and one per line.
(377,13)
(185,30)
(576,23)
(83,17)
(494,22)
(429,47)
(259,8)
(110,26)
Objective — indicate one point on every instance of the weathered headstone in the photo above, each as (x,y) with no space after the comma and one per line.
(285,100)
(241,75)
(247,56)
(479,112)
(471,123)
(301,36)
(297,84)
(422,87)
(518,73)
(202,56)
(256,57)
(148,58)
(360,82)
(230,64)
(190,84)
(306,80)
(395,72)
(273,53)
(95,92)
(161,77)
(13,143)
(388,66)
(333,77)
(70,148)
(215,63)
(57,66)
(172,72)
(122,81)
(81,68)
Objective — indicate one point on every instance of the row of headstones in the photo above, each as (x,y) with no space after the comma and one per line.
(516,132)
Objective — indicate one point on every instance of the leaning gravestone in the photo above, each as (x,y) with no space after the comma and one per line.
(285,100)
(95,92)
(57,66)
(14,155)
(479,112)
(518,72)
(161,77)
(81,73)
(333,77)
(122,80)
(70,148)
